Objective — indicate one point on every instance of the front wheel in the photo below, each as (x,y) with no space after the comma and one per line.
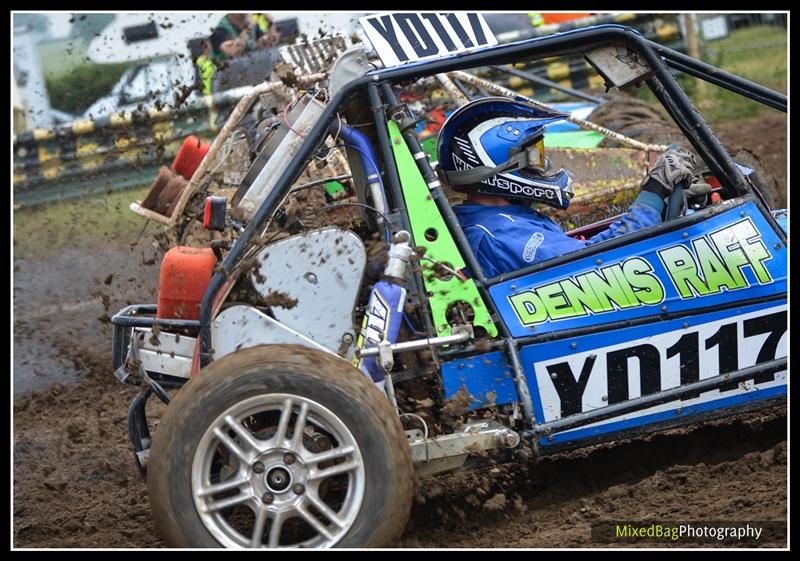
(280,446)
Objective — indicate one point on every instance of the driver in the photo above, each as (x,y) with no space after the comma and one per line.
(493,149)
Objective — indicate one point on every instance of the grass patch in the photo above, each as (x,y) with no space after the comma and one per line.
(756,53)
(76,90)
(92,221)
(59,57)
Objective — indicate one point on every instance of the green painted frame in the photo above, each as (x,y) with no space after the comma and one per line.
(425,219)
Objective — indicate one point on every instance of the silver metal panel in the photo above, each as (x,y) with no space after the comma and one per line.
(618,65)
(163,363)
(322,271)
(167,342)
(172,355)
(313,56)
(350,65)
(242,327)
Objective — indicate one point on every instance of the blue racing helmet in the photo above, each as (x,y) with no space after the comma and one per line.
(495,146)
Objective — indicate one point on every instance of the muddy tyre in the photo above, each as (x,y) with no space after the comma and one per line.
(761,178)
(280,445)
(636,119)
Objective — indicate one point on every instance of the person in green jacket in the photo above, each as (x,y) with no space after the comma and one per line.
(206,67)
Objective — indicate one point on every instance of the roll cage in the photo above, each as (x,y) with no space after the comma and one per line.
(377,86)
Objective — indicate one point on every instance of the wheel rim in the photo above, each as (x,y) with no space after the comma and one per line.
(288,460)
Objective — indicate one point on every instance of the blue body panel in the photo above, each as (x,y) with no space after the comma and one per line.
(481,375)
(534,358)
(648,250)
(733,260)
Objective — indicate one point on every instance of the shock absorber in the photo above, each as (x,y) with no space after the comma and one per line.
(385,311)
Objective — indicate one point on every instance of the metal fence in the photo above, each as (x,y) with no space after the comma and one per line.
(124,150)
(119,151)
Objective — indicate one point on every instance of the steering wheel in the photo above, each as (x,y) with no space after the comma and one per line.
(675,206)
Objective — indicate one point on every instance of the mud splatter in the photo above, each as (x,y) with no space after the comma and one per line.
(279,300)
(459,404)
(286,74)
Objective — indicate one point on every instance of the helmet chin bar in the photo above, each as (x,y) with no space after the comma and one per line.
(554,190)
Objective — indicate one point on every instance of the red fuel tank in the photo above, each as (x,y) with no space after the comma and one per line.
(185,274)
(189,156)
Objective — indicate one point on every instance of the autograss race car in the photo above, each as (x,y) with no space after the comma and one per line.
(325,355)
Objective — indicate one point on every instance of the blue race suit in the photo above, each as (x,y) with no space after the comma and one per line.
(507,238)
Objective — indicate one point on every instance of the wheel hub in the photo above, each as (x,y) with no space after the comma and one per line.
(278,479)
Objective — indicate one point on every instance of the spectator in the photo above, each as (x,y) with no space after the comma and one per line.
(238,33)
(266,24)
(205,66)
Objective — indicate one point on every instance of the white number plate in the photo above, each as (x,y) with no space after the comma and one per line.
(594,378)
(411,37)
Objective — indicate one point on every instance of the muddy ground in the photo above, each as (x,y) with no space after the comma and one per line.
(75,484)
(765,136)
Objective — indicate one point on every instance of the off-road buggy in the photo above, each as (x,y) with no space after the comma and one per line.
(328,353)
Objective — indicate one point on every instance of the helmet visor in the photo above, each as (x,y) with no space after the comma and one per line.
(536,157)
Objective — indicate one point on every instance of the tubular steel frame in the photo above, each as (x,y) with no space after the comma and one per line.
(378,85)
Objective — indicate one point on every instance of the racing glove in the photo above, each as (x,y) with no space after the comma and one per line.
(671,167)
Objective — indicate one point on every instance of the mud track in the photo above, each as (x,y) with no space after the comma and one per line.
(75,484)
(731,471)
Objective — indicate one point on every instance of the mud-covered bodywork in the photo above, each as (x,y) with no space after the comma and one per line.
(672,324)
(672,306)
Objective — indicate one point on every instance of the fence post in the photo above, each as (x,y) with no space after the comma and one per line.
(693,47)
